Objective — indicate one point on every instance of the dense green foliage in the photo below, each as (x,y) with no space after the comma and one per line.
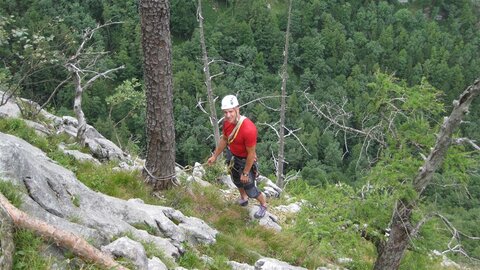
(341,55)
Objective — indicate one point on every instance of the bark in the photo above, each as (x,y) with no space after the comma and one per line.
(75,244)
(208,78)
(156,43)
(77,108)
(402,229)
(281,139)
(7,246)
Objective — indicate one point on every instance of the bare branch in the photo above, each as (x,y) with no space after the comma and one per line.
(466,141)
(296,137)
(216,75)
(338,117)
(53,93)
(200,105)
(103,74)
(228,62)
(260,99)
(455,242)
(291,177)
(272,127)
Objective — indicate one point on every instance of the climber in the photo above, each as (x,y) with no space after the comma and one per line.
(240,135)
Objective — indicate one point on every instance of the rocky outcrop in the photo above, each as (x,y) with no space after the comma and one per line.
(54,195)
(100,147)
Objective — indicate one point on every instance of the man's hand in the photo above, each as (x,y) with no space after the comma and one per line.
(244,179)
(211,159)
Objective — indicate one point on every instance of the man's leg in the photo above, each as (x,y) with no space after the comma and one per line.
(262,199)
(243,194)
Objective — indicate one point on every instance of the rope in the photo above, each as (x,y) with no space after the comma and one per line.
(190,168)
(163,178)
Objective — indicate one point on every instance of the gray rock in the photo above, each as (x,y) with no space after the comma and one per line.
(156,264)
(70,121)
(40,129)
(274,264)
(270,189)
(240,266)
(54,195)
(104,149)
(10,108)
(127,248)
(200,181)
(268,221)
(291,208)
(198,170)
(77,155)
(227,180)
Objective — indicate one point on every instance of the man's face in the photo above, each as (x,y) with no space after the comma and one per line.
(230,115)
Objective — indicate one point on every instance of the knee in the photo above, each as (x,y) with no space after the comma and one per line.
(253,192)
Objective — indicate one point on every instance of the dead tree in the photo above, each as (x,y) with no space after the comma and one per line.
(281,135)
(208,78)
(75,244)
(81,66)
(402,227)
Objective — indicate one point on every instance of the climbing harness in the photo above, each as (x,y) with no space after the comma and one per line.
(235,130)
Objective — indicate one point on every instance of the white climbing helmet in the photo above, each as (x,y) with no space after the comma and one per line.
(229,102)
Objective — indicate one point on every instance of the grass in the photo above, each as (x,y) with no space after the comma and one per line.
(120,184)
(10,191)
(27,255)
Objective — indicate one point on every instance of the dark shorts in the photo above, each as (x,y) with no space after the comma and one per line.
(237,169)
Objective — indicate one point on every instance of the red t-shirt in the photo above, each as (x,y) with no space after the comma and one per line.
(246,137)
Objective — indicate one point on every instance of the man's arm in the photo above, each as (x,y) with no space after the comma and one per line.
(222,143)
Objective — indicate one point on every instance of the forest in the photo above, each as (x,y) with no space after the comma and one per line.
(369,84)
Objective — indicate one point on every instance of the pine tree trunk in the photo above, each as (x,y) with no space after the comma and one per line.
(156,43)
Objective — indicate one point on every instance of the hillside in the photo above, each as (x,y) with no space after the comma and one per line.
(171,239)
(370,86)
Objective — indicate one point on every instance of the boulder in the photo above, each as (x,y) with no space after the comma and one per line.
(274,264)
(127,248)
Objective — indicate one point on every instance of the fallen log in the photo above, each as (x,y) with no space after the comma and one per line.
(72,242)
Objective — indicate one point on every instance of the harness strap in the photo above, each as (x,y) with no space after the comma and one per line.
(235,130)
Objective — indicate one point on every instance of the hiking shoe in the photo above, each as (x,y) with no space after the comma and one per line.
(242,202)
(261,212)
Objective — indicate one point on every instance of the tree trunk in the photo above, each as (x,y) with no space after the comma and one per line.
(208,79)
(77,108)
(75,244)
(281,139)
(390,255)
(7,246)
(160,157)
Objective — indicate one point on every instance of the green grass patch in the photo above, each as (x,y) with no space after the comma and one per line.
(120,184)
(145,227)
(10,191)
(28,252)
(19,128)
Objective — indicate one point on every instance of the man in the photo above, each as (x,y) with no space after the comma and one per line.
(240,135)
